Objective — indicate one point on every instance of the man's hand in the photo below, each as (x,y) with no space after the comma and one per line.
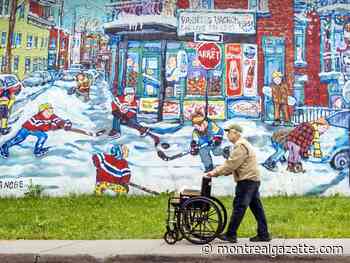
(210,174)
(67,125)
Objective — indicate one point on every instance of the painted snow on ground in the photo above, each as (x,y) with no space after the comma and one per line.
(68,167)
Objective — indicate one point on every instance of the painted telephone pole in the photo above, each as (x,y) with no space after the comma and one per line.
(11,29)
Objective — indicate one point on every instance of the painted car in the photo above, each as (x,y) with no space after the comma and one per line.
(67,79)
(33,79)
(339,156)
(45,76)
(10,81)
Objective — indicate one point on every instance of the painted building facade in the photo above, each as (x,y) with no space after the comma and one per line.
(251,33)
(63,54)
(31,36)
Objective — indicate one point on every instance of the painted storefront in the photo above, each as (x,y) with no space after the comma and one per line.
(177,66)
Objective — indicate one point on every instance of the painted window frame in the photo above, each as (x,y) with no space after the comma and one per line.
(260,6)
(300,44)
(15,65)
(27,64)
(29,41)
(3,39)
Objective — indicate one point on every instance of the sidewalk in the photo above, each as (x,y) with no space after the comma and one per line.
(38,251)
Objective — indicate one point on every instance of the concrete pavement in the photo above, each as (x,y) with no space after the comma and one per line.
(40,251)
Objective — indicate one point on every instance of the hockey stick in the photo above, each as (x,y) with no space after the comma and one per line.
(165,157)
(88,133)
(143,189)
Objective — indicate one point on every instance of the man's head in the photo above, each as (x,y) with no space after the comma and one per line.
(322,125)
(199,122)
(46,109)
(233,132)
(277,77)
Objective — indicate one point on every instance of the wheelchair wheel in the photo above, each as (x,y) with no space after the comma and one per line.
(223,213)
(170,237)
(200,220)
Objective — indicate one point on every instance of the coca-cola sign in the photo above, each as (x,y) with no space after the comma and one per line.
(209,55)
(244,107)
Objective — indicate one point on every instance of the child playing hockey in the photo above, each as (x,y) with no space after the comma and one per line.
(112,170)
(38,126)
(206,137)
(124,110)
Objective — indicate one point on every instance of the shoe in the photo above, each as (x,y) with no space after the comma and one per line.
(276,123)
(41,152)
(144,131)
(4,152)
(260,239)
(228,238)
(290,167)
(283,159)
(298,168)
(5,131)
(113,133)
(270,165)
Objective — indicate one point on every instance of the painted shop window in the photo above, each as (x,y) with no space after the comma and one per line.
(3,39)
(134,44)
(172,75)
(15,63)
(196,77)
(132,69)
(151,74)
(299,50)
(29,41)
(27,63)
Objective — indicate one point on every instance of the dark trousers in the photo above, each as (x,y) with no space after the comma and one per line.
(247,194)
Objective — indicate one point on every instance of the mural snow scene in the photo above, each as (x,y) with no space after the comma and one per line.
(110,97)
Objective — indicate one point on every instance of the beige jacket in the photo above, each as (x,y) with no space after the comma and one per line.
(241,164)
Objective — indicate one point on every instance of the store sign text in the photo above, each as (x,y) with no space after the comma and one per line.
(213,22)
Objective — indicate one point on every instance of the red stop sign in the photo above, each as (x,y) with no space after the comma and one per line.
(209,55)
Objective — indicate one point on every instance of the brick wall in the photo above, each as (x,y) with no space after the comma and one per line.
(280,23)
(236,4)
(315,92)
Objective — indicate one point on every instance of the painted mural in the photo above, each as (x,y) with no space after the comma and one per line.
(132,97)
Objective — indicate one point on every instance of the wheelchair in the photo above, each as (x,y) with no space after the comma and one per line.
(195,215)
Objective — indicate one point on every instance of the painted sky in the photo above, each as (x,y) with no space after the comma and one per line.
(86,9)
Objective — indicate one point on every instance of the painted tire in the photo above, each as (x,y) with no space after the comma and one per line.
(341,160)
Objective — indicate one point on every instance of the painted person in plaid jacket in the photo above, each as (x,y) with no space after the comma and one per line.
(299,141)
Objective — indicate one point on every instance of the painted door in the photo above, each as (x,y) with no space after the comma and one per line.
(274,53)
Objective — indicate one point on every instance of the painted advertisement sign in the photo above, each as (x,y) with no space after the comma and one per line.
(249,70)
(249,107)
(216,109)
(233,70)
(171,109)
(148,105)
(216,22)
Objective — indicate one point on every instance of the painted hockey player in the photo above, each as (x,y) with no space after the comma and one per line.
(112,170)
(207,137)
(124,110)
(38,126)
(7,99)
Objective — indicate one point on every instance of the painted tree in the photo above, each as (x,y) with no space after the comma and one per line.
(10,38)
